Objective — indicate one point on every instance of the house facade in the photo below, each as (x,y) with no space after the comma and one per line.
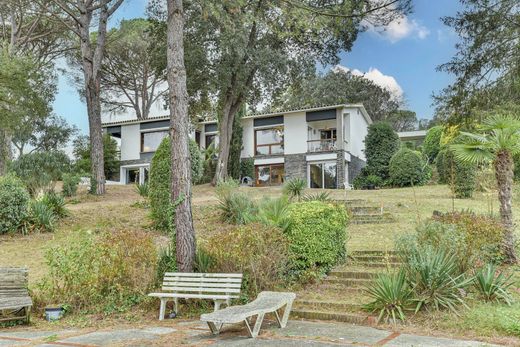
(323,145)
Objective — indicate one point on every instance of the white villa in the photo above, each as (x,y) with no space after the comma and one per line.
(323,145)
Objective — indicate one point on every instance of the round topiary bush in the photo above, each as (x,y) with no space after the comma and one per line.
(381,143)
(316,234)
(14,201)
(407,168)
(160,178)
(432,143)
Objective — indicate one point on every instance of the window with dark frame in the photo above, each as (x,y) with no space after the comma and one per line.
(269,141)
(269,175)
(151,140)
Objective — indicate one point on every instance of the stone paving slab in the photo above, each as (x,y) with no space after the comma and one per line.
(428,341)
(103,338)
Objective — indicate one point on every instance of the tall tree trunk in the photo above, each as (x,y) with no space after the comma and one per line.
(179,130)
(504,167)
(97,163)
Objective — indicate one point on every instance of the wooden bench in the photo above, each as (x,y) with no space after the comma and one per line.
(266,302)
(220,288)
(15,302)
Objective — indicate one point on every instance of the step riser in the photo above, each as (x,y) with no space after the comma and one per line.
(348,283)
(346,318)
(327,307)
(352,275)
(377,265)
(379,253)
(375,259)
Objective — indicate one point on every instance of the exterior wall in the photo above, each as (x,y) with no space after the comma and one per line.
(295,133)
(248,139)
(358,130)
(130,142)
(295,166)
(340,169)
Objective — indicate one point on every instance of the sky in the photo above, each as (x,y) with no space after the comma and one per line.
(402,58)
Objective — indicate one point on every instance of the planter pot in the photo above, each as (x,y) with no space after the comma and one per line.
(369,187)
(54,313)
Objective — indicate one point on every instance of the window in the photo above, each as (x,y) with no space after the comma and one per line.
(328,134)
(323,175)
(210,139)
(269,175)
(150,141)
(269,141)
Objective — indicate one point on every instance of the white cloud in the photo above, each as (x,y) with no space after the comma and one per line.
(384,81)
(401,28)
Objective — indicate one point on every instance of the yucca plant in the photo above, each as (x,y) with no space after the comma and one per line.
(237,208)
(497,141)
(322,196)
(294,188)
(274,212)
(391,295)
(56,203)
(142,189)
(41,216)
(436,280)
(493,286)
(203,261)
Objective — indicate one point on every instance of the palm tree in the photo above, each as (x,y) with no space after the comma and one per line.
(498,141)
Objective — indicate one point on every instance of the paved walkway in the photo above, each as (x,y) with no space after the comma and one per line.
(193,333)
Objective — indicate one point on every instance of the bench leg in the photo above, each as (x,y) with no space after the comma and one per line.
(283,322)
(176,308)
(162,310)
(215,330)
(256,329)
(217,305)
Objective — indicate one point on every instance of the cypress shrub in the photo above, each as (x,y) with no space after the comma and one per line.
(432,143)
(407,168)
(381,143)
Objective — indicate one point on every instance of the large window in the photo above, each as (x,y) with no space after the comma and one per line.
(269,141)
(150,141)
(269,175)
(323,175)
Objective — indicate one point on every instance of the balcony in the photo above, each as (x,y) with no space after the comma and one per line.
(323,145)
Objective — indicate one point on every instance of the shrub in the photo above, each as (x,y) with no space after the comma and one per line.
(274,212)
(493,286)
(225,188)
(41,218)
(237,208)
(483,235)
(56,204)
(203,261)
(322,196)
(258,251)
(459,175)
(408,168)
(442,171)
(70,184)
(247,168)
(40,171)
(381,143)
(391,296)
(100,272)
(317,235)
(294,188)
(364,181)
(14,201)
(159,182)
(111,156)
(166,262)
(432,143)
(435,279)
(142,189)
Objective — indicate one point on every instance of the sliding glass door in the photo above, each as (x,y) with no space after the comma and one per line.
(323,175)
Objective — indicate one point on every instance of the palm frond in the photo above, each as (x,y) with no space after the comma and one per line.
(474,153)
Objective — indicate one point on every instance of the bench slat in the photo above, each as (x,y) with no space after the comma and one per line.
(196,274)
(202,285)
(198,289)
(202,279)
(193,296)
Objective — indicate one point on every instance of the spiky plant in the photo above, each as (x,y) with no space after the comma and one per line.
(323,196)
(492,285)
(294,188)
(497,141)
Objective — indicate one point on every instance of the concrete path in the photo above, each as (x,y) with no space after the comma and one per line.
(193,333)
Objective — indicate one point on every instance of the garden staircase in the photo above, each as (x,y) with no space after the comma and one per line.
(340,296)
(369,215)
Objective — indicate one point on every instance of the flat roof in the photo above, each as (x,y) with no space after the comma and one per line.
(415,134)
(253,115)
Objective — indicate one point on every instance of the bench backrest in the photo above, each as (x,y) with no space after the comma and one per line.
(13,282)
(203,283)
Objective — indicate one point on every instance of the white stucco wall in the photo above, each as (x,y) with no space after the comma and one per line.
(358,131)
(130,142)
(248,138)
(295,133)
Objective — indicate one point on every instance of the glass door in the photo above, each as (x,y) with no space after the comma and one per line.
(323,175)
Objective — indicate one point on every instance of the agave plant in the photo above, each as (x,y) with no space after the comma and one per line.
(323,196)
(56,203)
(294,188)
(42,217)
(237,208)
(142,189)
(274,212)
(392,296)
(493,286)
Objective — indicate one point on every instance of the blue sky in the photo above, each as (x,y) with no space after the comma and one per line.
(403,58)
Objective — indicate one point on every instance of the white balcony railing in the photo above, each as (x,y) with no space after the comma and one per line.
(326,145)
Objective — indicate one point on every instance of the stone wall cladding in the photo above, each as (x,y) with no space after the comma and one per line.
(295,166)
(340,169)
(134,162)
(355,166)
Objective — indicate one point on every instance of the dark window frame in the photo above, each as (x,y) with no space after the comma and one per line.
(270,145)
(149,132)
(282,165)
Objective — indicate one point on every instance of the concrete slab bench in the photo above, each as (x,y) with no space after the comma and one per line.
(219,287)
(266,302)
(15,302)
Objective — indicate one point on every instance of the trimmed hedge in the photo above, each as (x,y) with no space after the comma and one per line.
(432,143)
(459,175)
(317,235)
(14,201)
(407,168)
(160,178)
(381,143)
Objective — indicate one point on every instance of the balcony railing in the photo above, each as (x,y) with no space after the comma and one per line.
(326,145)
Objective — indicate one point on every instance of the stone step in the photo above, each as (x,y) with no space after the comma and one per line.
(377,264)
(375,258)
(352,274)
(365,210)
(372,221)
(348,282)
(327,305)
(335,316)
(338,289)
(372,252)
